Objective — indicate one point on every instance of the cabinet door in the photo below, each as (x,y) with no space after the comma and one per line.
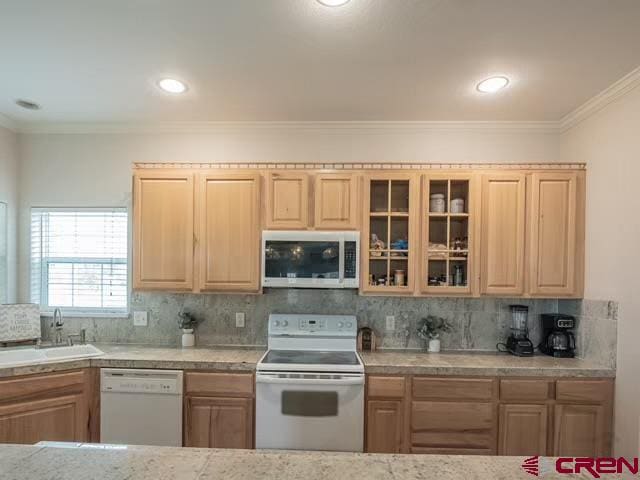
(228,238)
(580,431)
(163,231)
(384,426)
(288,201)
(62,418)
(553,231)
(336,201)
(523,430)
(503,234)
(213,422)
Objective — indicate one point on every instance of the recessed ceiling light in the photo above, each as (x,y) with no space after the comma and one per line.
(333,3)
(492,84)
(29,105)
(171,85)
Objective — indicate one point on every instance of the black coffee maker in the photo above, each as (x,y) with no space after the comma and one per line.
(557,339)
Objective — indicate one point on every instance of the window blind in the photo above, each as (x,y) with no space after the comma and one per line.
(4,274)
(79,259)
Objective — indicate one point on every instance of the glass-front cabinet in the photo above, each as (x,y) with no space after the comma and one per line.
(388,240)
(448,218)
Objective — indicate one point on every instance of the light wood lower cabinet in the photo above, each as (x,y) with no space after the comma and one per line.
(523,430)
(51,407)
(218,410)
(385,426)
(488,416)
(214,422)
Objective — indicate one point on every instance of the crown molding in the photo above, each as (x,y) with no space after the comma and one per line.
(377,128)
(7,123)
(610,94)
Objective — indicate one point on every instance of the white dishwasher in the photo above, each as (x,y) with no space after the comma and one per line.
(141,407)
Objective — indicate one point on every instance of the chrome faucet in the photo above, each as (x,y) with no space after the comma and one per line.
(57,323)
(82,336)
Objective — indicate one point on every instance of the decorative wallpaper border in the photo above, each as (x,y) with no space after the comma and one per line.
(365,166)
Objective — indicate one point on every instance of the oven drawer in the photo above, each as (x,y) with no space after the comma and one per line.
(311,412)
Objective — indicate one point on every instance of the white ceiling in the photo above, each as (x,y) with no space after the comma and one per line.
(295,60)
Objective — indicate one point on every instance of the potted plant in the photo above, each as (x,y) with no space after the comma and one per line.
(430,330)
(187,322)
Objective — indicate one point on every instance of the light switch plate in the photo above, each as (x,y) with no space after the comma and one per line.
(140,319)
(240,320)
(391,322)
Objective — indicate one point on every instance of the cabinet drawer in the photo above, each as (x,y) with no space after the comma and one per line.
(451,416)
(452,451)
(482,440)
(592,391)
(524,390)
(453,388)
(392,387)
(13,388)
(238,384)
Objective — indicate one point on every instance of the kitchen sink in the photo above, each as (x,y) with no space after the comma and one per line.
(28,356)
(74,351)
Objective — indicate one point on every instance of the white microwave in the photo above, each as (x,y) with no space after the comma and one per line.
(313,259)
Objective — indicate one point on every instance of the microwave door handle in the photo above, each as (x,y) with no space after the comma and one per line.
(309,381)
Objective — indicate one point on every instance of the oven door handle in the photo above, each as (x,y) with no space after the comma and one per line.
(310,381)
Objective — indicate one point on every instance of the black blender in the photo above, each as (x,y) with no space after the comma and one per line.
(518,342)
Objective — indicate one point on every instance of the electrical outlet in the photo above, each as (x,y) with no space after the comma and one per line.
(391,322)
(140,319)
(240,320)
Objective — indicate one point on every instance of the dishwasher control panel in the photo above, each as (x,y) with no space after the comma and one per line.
(141,381)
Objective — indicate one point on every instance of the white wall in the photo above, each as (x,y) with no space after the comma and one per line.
(95,169)
(9,194)
(610,144)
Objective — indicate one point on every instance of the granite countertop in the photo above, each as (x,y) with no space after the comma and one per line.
(237,359)
(484,364)
(159,463)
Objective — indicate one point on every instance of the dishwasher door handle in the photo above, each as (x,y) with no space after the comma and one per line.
(279,380)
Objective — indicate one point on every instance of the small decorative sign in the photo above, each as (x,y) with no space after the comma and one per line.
(19,322)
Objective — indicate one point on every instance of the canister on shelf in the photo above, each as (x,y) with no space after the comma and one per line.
(398,278)
(436,203)
(457,205)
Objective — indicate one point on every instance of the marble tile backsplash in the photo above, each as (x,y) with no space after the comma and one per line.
(597,329)
(477,323)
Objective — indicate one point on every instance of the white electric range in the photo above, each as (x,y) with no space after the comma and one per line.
(310,385)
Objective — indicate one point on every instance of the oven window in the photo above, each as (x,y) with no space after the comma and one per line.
(310,404)
(284,259)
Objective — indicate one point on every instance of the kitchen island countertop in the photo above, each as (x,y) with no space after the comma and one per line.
(160,463)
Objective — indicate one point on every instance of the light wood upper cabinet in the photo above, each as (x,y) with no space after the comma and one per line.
(450,206)
(523,430)
(228,232)
(553,236)
(336,201)
(163,230)
(287,205)
(502,251)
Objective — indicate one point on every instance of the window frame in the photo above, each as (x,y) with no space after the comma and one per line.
(86,312)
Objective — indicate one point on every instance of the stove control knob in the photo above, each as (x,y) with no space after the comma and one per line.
(276,323)
(285,323)
(340,324)
(348,324)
